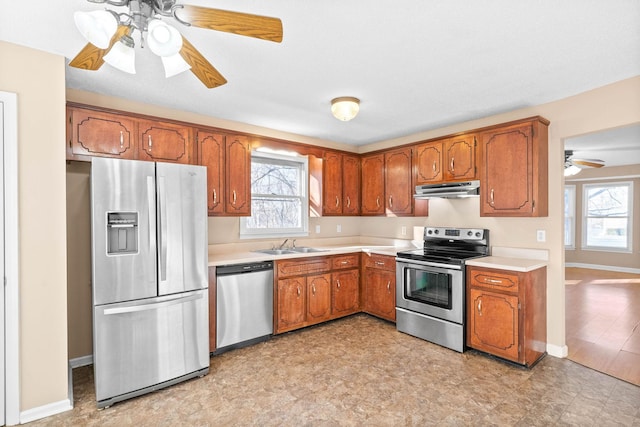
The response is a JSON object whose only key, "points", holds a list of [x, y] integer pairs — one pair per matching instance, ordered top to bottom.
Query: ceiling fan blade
{"points": [[244, 24], [91, 57], [202, 68], [592, 163]]}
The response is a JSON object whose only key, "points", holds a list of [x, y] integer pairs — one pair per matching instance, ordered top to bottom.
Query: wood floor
{"points": [[603, 321]]}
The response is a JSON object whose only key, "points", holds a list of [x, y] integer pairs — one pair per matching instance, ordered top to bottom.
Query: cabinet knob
{"points": [[480, 307]]}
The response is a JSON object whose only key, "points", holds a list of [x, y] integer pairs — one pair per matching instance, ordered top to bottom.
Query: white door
{"points": [[2, 272], [9, 340]]}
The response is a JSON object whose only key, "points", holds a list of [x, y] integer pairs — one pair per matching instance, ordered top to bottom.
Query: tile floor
{"points": [[603, 321], [359, 371]]}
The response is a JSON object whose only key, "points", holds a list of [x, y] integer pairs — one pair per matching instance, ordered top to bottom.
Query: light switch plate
{"points": [[317, 229], [541, 235]]}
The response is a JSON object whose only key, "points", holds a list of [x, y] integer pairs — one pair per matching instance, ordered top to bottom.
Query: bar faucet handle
{"points": [[293, 244]]}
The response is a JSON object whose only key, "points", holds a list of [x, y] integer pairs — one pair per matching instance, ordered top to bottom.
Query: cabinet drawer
{"points": [[345, 261], [382, 262], [302, 267], [494, 279]]}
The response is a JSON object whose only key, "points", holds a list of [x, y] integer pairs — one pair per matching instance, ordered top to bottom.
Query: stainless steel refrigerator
{"points": [[149, 278]]}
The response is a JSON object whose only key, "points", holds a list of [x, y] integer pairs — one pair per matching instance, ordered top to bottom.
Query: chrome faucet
{"points": [[283, 243]]}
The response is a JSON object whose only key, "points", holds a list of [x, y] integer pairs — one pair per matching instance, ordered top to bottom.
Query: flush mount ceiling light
{"points": [[110, 35], [345, 108]]}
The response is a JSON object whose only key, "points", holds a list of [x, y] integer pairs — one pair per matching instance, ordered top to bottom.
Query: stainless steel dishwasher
{"points": [[244, 304]]}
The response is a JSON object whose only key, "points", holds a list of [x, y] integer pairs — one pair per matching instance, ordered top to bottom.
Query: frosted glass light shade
{"points": [[97, 26], [163, 39], [122, 56], [174, 64], [345, 108], [571, 170]]}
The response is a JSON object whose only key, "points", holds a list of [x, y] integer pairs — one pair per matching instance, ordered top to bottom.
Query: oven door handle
{"points": [[413, 262]]}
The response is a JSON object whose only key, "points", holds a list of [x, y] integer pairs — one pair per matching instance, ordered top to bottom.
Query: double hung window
{"points": [[279, 197], [607, 216]]}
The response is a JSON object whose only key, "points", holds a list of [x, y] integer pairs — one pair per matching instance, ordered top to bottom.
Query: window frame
{"points": [[302, 163], [585, 217], [572, 228]]}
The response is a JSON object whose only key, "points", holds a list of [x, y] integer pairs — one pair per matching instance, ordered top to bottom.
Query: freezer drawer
{"points": [[143, 343]]}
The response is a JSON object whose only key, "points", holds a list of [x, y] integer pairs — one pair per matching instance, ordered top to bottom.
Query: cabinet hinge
{"points": [[475, 142], [519, 307], [519, 348]]}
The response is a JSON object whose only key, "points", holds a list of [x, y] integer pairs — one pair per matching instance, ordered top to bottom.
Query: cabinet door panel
{"points": [[101, 134], [164, 142], [211, 155], [460, 158], [428, 163], [238, 175], [350, 185], [398, 189], [373, 202], [332, 203], [346, 292], [380, 297], [318, 298], [291, 303], [494, 323]]}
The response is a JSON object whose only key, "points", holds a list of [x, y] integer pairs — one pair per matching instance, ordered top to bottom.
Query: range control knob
{"points": [[429, 231], [436, 231], [469, 233], [478, 234]]}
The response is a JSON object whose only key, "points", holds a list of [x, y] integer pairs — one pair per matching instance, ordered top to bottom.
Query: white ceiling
{"points": [[415, 64], [616, 147]]}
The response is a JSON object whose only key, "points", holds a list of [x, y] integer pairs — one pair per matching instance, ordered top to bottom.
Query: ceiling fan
{"points": [[110, 35], [573, 166]]}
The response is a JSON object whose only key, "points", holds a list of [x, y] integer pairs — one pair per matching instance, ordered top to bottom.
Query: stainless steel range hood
{"points": [[448, 190]]}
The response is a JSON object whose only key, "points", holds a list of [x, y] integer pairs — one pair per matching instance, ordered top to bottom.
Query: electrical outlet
{"points": [[339, 228], [317, 229], [403, 230], [541, 235]]}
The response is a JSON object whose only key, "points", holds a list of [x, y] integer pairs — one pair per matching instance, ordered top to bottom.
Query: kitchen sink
{"points": [[304, 250], [276, 251]]}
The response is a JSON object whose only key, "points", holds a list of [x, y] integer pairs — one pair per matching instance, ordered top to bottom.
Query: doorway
{"points": [[602, 270]]}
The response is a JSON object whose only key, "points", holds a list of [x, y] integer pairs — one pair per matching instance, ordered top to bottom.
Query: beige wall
{"points": [[38, 79], [602, 258]]}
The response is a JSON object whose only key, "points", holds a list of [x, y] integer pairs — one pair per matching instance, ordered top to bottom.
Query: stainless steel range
{"points": [[430, 292]]}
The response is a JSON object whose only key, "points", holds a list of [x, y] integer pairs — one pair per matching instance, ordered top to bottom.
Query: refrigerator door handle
{"points": [[151, 190], [162, 219], [152, 306]]}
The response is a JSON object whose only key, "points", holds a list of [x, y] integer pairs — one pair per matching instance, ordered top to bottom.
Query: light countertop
{"points": [[240, 257], [507, 263]]}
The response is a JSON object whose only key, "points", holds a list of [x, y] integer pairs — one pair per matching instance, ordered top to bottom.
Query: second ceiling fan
{"points": [[109, 35]]}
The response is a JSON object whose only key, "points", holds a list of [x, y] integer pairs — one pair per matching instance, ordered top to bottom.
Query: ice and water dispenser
{"points": [[122, 233]]}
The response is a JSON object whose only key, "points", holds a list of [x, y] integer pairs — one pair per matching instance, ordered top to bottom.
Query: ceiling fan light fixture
{"points": [[97, 27], [163, 39], [122, 55], [174, 64], [345, 108], [571, 170]]}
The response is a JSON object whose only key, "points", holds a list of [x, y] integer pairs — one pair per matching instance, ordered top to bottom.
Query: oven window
{"points": [[428, 287]]}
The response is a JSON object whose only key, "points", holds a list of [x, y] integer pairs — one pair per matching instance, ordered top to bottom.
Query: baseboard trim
{"points": [[603, 267], [560, 351], [81, 361], [45, 411]]}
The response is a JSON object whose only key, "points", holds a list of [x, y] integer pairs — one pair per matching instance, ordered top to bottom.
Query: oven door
{"points": [[433, 291]]}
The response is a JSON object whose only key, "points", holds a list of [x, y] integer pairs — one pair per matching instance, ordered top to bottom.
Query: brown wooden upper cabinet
{"points": [[99, 134], [165, 142], [460, 158], [228, 162], [428, 163], [514, 170], [397, 182], [387, 183], [341, 184], [372, 187]]}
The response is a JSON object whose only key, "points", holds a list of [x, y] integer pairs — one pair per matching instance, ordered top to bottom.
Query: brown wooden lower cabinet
{"points": [[379, 286], [313, 290], [506, 313]]}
